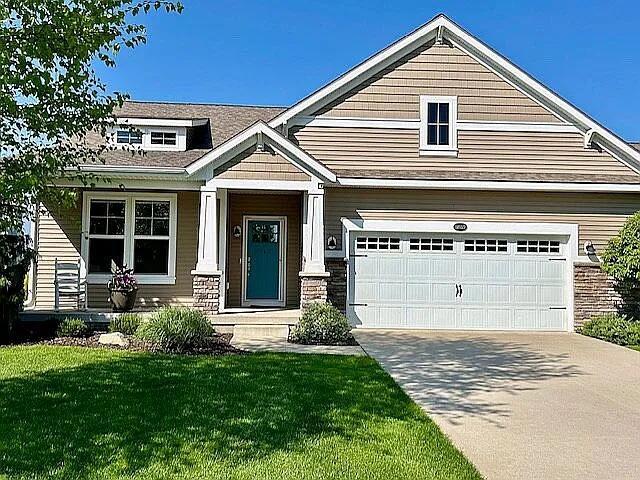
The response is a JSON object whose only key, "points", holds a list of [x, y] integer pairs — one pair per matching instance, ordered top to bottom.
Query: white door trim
{"points": [[567, 230], [282, 261]]}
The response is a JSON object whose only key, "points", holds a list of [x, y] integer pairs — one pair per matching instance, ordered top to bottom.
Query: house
{"points": [[434, 185]]}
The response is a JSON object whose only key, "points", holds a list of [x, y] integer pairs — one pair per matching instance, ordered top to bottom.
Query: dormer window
{"points": [[438, 118], [129, 137], [163, 138]]}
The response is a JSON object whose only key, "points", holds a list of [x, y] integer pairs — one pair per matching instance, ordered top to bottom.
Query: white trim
{"points": [[481, 52], [162, 122], [414, 124], [495, 126], [243, 140], [450, 149], [438, 152], [139, 169], [135, 184], [287, 185], [490, 185], [129, 198], [567, 230], [222, 247], [282, 261]]}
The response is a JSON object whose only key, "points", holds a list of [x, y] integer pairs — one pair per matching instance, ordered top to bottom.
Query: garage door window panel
{"points": [[431, 244], [481, 245]]}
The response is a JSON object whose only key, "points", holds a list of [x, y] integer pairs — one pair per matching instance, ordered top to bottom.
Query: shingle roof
{"points": [[225, 121], [635, 145], [489, 175]]}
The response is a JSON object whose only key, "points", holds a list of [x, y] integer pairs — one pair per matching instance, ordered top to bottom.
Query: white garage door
{"points": [[471, 282]]}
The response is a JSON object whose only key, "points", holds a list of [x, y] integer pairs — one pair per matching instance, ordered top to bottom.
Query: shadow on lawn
{"points": [[134, 411]]}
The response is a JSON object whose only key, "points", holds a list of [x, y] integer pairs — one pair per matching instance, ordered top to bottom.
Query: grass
{"points": [[634, 347], [100, 414]]}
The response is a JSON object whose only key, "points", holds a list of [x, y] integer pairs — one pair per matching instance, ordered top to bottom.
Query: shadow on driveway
{"points": [[451, 373]]}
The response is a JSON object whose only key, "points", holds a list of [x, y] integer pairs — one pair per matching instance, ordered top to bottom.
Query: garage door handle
{"points": [[457, 290], [460, 290], [358, 305]]}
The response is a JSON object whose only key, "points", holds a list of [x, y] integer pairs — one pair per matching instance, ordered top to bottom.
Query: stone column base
{"points": [[313, 289], [206, 293]]}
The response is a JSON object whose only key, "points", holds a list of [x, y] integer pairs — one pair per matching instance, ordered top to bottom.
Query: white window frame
{"points": [[181, 138], [450, 150], [129, 237]]}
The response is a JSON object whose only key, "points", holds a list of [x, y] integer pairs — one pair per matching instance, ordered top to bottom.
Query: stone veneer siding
{"points": [[337, 283], [312, 290], [206, 293], [594, 293]]}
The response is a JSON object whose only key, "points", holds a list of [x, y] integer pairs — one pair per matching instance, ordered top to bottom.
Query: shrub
{"points": [[126, 323], [323, 324], [72, 327], [612, 328], [176, 329]]}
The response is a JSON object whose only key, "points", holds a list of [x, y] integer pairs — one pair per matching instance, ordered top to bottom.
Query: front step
{"points": [[251, 332]]}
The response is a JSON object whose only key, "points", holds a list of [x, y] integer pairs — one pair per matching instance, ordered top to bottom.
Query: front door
{"points": [[263, 271]]}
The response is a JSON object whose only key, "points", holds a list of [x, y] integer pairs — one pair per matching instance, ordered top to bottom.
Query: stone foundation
{"points": [[337, 283], [312, 290], [206, 293], [594, 293]]}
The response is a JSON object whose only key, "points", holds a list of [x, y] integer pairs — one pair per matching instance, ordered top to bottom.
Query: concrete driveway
{"points": [[523, 405]]}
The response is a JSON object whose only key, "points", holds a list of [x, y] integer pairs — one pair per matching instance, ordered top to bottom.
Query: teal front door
{"points": [[263, 261]]}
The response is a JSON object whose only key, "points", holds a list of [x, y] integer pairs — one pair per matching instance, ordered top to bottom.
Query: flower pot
{"points": [[123, 300]]}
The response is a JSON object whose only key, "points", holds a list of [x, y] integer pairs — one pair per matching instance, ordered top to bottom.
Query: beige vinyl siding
{"points": [[438, 70], [353, 148], [253, 165], [257, 204], [599, 216], [59, 235]]}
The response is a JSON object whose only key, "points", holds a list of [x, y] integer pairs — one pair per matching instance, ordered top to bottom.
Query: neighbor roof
{"points": [[225, 121], [635, 145]]}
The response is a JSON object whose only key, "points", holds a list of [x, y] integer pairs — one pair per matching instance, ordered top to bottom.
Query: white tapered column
{"points": [[208, 233], [313, 235]]}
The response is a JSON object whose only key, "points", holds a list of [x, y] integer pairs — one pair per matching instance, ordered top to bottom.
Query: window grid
{"points": [[438, 123], [129, 137], [163, 138], [378, 243], [431, 244], [485, 245], [538, 246]]}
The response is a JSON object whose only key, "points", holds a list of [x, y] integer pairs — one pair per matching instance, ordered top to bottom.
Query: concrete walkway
{"points": [[282, 346], [523, 405]]}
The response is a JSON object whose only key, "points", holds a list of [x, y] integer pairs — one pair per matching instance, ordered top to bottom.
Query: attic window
{"points": [[438, 132], [129, 137], [163, 138]]}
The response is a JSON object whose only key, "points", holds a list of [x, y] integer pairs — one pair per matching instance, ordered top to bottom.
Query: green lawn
{"points": [[635, 347], [100, 414]]}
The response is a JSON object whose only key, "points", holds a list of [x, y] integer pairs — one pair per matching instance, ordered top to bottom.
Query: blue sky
{"points": [[276, 52]]}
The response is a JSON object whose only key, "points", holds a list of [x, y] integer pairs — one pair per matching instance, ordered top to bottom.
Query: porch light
{"points": [[237, 231], [332, 242], [589, 248]]}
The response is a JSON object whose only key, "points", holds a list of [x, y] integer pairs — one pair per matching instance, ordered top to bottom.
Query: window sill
{"points": [[438, 153], [100, 279]]}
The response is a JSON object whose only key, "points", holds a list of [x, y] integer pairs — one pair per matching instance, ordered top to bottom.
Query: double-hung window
{"points": [[438, 132], [130, 137], [163, 138], [138, 230]]}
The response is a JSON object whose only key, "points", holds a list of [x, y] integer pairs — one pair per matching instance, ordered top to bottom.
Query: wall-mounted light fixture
{"points": [[237, 231], [332, 242], [589, 248]]}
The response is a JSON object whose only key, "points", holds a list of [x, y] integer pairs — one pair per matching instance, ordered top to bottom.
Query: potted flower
{"points": [[123, 289]]}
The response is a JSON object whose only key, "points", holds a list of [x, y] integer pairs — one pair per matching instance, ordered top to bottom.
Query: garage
{"points": [[458, 281]]}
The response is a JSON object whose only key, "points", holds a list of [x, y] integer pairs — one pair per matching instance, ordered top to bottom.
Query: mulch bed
{"points": [[217, 345]]}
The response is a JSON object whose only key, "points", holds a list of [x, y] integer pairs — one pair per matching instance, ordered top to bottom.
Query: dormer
{"points": [[158, 134]]}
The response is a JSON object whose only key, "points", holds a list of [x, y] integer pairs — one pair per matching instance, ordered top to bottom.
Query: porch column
{"points": [[206, 276], [313, 283]]}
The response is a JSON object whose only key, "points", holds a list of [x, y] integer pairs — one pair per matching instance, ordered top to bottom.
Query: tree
{"points": [[51, 95], [621, 260]]}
